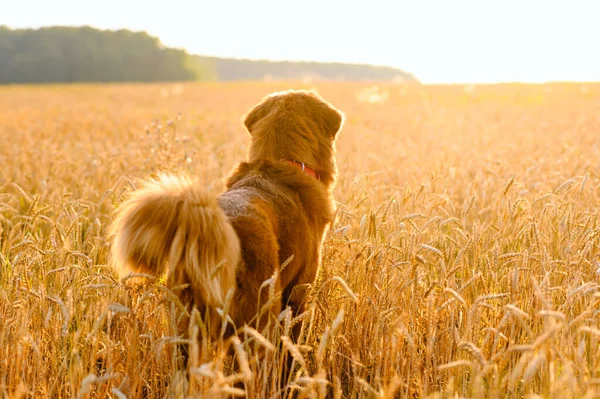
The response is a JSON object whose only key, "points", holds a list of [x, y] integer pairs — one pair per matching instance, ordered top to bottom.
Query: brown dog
{"points": [[277, 205]]}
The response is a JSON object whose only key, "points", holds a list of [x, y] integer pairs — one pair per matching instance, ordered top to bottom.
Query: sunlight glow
{"points": [[438, 41]]}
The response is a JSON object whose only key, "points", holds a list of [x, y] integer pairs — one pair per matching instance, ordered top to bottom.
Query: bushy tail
{"points": [[172, 221]]}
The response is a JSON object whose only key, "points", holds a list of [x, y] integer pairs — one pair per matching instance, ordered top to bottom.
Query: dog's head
{"points": [[295, 125]]}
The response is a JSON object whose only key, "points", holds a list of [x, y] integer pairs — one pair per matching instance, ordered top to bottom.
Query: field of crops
{"points": [[464, 261]]}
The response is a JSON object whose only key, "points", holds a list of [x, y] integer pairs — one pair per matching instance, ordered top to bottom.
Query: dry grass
{"points": [[465, 260]]}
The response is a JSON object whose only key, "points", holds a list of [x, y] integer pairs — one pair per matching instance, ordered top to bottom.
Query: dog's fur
{"points": [[270, 212]]}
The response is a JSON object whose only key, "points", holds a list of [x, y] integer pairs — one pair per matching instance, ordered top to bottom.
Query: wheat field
{"points": [[464, 260]]}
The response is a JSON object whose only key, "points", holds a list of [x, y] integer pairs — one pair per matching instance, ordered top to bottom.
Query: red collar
{"points": [[304, 168]]}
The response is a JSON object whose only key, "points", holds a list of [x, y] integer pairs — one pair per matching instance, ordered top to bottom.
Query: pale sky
{"points": [[444, 41]]}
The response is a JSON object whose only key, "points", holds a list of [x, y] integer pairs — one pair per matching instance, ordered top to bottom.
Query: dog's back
{"points": [[278, 213]]}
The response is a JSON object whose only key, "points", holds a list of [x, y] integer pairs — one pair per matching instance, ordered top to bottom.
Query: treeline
{"points": [[84, 54], [228, 69]]}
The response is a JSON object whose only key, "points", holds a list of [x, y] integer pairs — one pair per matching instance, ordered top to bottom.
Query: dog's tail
{"points": [[173, 222]]}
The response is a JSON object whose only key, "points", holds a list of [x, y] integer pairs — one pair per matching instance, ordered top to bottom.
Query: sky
{"points": [[443, 41]]}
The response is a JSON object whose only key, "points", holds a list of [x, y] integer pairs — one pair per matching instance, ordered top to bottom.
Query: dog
{"points": [[277, 206]]}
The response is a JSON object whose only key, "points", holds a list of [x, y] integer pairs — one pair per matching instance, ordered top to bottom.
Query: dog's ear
{"points": [[259, 111], [331, 119]]}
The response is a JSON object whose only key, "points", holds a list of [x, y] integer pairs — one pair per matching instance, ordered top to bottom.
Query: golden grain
{"points": [[432, 284]]}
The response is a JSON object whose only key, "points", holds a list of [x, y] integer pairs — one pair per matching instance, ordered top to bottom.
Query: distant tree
{"points": [[85, 54], [227, 69]]}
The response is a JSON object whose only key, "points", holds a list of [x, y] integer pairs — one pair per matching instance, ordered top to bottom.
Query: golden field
{"points": [[464, 261]]}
